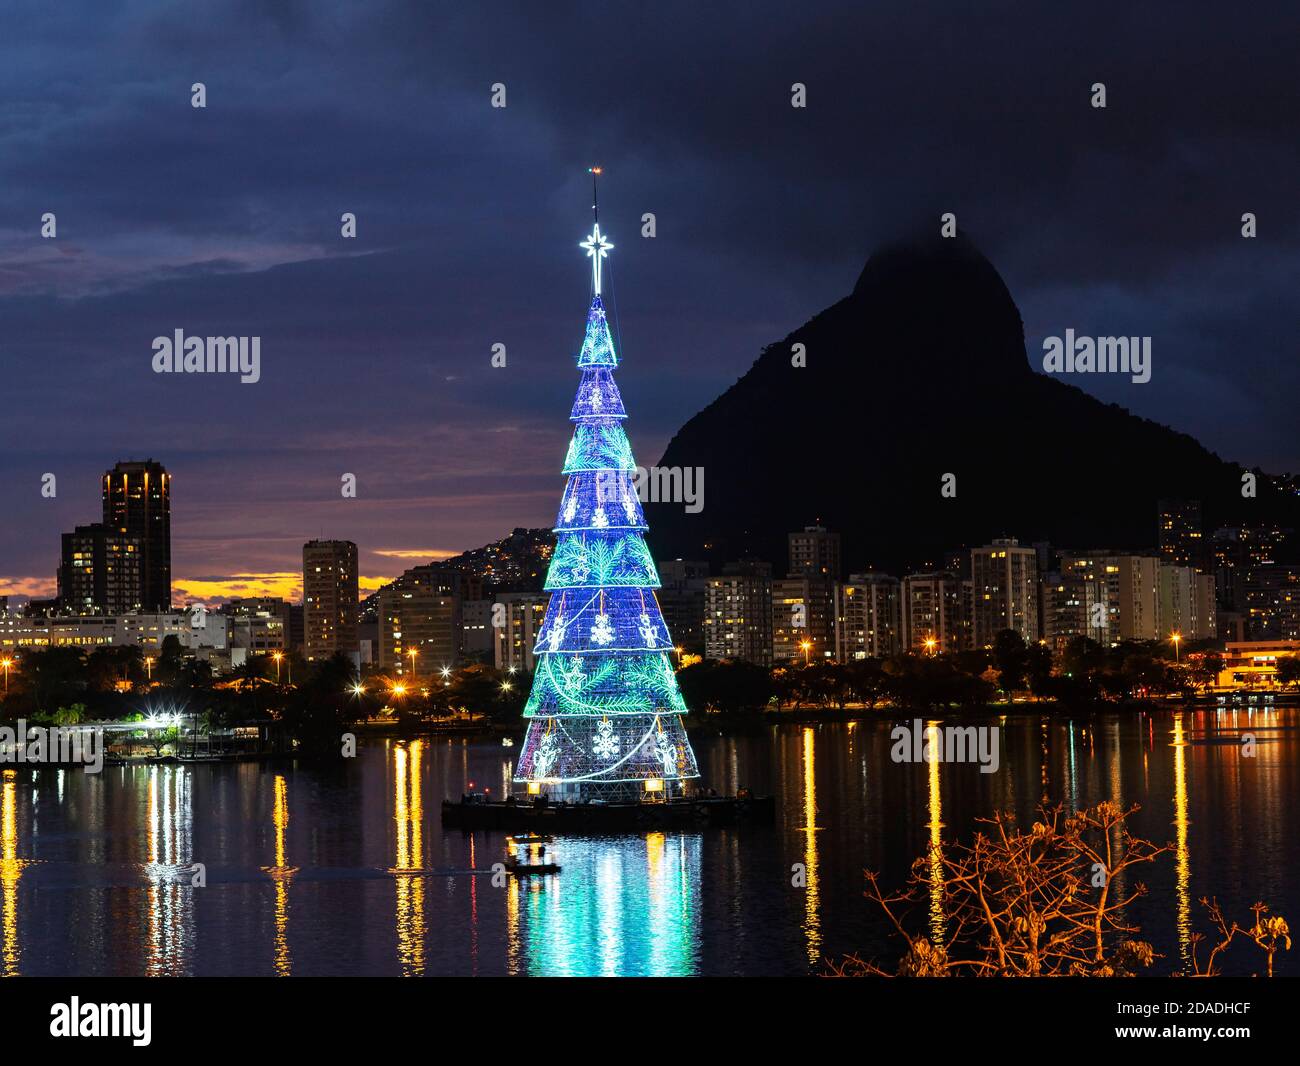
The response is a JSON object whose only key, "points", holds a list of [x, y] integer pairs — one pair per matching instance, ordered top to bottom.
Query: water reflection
{"points": [[408, 815], [1182, 854], [11, 869], [281, 874], [374, 884], [812, 886], [169, 901], [621, 906], [938, 923]]}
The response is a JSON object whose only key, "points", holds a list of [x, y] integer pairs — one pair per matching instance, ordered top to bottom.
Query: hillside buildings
{"points": [[1180, 539], [815, 552]]}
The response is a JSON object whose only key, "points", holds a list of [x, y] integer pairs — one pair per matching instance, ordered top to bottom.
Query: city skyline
{"points": [[233, 227], [1186, 586]]}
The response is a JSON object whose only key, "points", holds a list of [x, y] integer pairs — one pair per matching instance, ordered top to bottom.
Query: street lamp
{"points": [[1175, 637], [931, 644], [807, 648], [411, 655], [277, 656], [6, 663], [148, 665], [399, 689], [358, 690]]}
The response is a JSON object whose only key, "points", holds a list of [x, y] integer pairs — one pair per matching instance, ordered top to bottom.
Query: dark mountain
{"points": [[922, 371]]}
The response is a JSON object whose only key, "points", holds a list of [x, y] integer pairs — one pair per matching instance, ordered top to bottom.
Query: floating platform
{"points": [[691, 813]]}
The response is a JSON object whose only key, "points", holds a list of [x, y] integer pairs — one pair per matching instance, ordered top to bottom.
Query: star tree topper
{"points": [[597, 245], [597, 248]]}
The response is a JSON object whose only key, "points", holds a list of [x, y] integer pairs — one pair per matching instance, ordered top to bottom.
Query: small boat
{"points": [[530, 855]]}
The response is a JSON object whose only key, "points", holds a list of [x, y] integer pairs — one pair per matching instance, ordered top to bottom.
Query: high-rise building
{"points": [[138, 504], [1179, 531], [1235, 552], [816, 553], [814, 561], [99, 572], [683, 585], [1132, 585], [1005, 591], [330, 594], [1272, 601], [1074, 604], [1183, 606], [936, 607], [1205, 607], [803, 612], [738, 614], [868, 621], [259, 624], [419, 626], [297, 627], [476, 628], [368, 636], [516, 640]]}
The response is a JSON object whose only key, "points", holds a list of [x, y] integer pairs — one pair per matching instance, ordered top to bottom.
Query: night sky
{"points": [[375, 351]]}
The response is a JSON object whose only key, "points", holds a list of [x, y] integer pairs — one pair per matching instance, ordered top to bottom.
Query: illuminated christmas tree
{"points": [[605, 712]]}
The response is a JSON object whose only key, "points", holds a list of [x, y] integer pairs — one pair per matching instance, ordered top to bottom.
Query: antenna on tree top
{"points": [[595, 172]]}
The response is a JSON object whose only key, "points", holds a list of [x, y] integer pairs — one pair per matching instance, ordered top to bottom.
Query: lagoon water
{"points": [[348, 870]]}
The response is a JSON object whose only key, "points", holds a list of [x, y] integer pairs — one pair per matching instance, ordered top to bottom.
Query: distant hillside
{"points": [[922, 371], [515, 563]]}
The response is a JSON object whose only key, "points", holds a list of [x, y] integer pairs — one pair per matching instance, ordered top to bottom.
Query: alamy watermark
{"points": [[179, 354], [1098, 355], [656, 484], [918, 742], [58, 745], [74, 1018]]}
